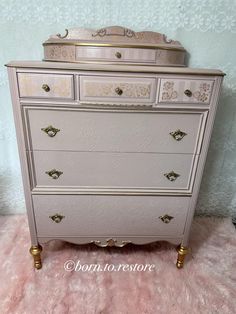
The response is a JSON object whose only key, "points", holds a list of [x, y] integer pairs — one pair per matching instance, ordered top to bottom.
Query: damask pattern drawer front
{"points": [[116, 54], [38, 85], [117, 89], [185, 90], [115, 131], [113, 170], [101, 215]]}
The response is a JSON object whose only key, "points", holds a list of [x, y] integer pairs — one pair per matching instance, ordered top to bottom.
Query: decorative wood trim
{"points": [[114, 36], [107, 67], [137, 240]]}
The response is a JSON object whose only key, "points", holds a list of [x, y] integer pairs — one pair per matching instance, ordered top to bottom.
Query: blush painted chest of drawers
{"points": [[112, 152]]}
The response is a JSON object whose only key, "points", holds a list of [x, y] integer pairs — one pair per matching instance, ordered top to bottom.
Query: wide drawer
{"points": [[116, 54], [43, 85], [117, 89], [185, 90], [117, 131], [113, 170], [100, 215]]}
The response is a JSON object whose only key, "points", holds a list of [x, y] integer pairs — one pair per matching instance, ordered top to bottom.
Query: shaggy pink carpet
{"points": [[207, 283]]}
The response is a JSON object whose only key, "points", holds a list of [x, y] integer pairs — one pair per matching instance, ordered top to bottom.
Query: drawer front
{"points": [[116, 54], [36, 85], [116, 89], [185, 91], [115, 131], [113, 170], [100, 215]]}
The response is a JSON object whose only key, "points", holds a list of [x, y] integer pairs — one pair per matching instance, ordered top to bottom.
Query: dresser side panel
{"points": [[22, 153], [203, 156]]}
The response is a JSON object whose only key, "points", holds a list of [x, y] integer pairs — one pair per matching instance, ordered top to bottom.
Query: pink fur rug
{"points": [[207, 283]]}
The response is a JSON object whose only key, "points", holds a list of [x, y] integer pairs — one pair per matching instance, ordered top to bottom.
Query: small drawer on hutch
{"points": [[116, 54], [43, 85], [117, 89], [185, 91], [115, 131], [105, 170], [103, 215]]}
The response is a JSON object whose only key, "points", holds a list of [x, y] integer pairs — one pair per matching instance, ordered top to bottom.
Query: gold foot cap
{"points": [[35, 251], [182, 252], [179, 264], [38, 265]]}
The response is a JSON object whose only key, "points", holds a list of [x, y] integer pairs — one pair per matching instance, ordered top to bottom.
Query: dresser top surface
{"points": [[93, 66]]}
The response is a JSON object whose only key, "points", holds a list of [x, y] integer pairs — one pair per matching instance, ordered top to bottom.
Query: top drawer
{"points": [[116, 54], [43, 85], [117, 89], [185, 91]]}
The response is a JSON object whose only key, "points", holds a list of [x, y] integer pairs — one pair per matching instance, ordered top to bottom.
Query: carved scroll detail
{"points": [[114, 31]]}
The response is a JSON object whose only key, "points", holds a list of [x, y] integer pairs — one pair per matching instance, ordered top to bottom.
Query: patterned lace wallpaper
{"points": [[206, 28]]}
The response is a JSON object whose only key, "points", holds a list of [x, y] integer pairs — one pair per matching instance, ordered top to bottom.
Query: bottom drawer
{"points": [[104, 215]]}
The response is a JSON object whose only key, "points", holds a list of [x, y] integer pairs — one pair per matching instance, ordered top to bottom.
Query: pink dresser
{"points": [[113, 131]]}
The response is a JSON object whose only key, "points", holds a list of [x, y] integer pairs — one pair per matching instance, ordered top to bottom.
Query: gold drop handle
{"points": [[118, 55], [46, 88], [119, 91], [188, 92], [50, 130], [178, 135], [54, 174], [171, 176], [57, 218], [166, 218]]}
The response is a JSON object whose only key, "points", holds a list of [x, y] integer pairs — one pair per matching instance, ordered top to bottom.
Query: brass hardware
{"points": [[66, 34], [124, 45], [118, 55], [45, 87], [119, 91], [188, 92], [50, 130], [178, 135], [54, 174], [172, 176], [57, 218], [166, 218], [111, 242], [35, 251], [182, 252]]}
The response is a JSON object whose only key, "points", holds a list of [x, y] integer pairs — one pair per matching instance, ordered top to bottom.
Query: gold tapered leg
{"points": [[35, 251], [182, 252]]}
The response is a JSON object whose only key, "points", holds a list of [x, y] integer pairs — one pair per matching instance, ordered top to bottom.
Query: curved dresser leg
{"points": [[35, 251], [182, 252]]}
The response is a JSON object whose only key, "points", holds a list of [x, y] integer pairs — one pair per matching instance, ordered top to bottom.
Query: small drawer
{"points": [[116, 54], [37, 85], [117, 89], [185, 91], [106, 171], [103, 215]]}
